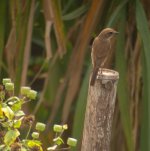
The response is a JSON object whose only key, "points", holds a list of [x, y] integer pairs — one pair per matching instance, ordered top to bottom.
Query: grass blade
{"points": [[3, 11], [76, 13], [116, 14], [21, 26], [59, 27], [143, 29], [28, 44], [123, 94], [80, 109]]}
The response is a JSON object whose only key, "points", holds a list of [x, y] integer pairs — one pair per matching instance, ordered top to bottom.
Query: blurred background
{"points": [[46, 44]]}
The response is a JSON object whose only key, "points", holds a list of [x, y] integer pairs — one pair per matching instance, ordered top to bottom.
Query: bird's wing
{"points": [[101, 49]]}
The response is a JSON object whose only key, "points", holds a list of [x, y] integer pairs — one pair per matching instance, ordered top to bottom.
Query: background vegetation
{"points": [[46, 44]]}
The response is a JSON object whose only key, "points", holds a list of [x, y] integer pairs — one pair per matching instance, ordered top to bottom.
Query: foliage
{"points": [[13, 119]]}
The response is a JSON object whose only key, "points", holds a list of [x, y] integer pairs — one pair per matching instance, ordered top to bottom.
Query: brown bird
{"points": [[100, 50]]}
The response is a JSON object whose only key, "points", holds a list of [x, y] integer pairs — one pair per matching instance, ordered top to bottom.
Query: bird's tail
{"points": [[94, 75]]}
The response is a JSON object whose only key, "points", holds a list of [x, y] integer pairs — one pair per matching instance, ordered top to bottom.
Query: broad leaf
{"points": [[11, 136]]}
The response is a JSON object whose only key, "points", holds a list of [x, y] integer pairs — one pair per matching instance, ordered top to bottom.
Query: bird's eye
{"points": [[110, 33]]}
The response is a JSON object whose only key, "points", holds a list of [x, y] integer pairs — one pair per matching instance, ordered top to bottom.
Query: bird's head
{"points": [[107, 34]]}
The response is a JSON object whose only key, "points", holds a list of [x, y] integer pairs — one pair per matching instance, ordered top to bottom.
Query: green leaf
{"points": [[76, 13], [116, 14], [3, 18], [59, 26], [143, 29], [21, 32], [123, 93], [2, 95], [13, 98], [15, 103], [16, 106], [80, 108], [1, 112], [8, 112], [19, 113], [17, 123], [7, 124], [11, 136], [58, 141], [34, 143], [7, 148]]}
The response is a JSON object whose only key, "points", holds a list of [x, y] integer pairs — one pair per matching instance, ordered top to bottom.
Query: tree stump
{"points": [[99, 112]]}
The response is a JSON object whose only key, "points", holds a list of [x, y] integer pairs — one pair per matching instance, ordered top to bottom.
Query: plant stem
{"points": [[28, 131]]}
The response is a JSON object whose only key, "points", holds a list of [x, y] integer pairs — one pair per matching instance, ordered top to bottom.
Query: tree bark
{"points": [[99, 112]]}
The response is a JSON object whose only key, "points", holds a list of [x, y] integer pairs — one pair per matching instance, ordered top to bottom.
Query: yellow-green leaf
{"points": [[144, 32], [1, 112], [8, 112], [19, 113], [17, 123], [11, 136], [58, 140], [34, 143]]}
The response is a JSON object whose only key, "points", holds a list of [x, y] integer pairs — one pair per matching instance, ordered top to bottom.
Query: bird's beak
{"points": [[116, 32]]}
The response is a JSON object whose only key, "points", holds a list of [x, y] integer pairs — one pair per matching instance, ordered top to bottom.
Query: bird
{"points": [[101, 48]]}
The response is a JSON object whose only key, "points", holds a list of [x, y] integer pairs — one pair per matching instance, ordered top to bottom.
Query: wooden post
{"points": [[99, 112]]}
